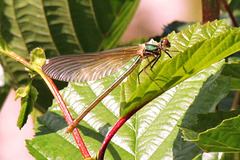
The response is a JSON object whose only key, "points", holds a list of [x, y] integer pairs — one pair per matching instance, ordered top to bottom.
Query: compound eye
{"points": [[165, 43]]}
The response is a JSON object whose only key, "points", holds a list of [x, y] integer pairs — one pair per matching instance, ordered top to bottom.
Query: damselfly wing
{"points": [[89, 67]]}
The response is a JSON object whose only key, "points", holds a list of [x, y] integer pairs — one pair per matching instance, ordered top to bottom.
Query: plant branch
{"points": [[230, 13], [235, 101], [66, 114], [114, 130], [109, 136]]}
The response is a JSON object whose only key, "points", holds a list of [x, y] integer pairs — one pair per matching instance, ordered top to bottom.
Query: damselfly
{"points": [[93, 66]]}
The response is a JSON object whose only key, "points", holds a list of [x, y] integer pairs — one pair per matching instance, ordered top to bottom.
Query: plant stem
{"points": [[230, 13], [18, 58], [235, 101], [66, 114], [114, 130], [109, 136]]}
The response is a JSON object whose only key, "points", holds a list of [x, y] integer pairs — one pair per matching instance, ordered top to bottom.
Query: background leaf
{"points": [[232, 69], [28, 96], [216, 136]]}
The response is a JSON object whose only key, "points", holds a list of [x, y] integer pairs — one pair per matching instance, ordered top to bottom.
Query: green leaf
{"points": [[60, 27], [207, 44], [37, 57], [232, 69], [28, 96], [150, 134], [219, 135], [52, 142], [213, 156]]}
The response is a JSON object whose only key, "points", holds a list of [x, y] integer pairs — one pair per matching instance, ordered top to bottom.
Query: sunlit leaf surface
{"points": [[192, 85]]}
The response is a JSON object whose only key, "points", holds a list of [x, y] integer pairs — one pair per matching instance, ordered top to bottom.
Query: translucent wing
{"points": [[88, 67]]}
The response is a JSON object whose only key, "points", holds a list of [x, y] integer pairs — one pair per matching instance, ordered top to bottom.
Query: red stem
{"points": [[230, 13], [69, 119], [114, 130], [109, 136]]}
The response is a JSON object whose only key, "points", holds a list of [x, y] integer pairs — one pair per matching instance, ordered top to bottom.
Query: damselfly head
{"points": [[165, 43]]}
